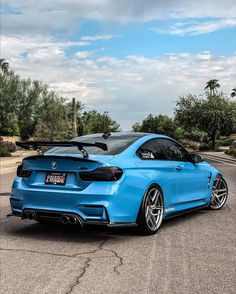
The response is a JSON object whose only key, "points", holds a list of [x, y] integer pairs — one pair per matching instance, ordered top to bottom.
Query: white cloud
{"points": [[38, 17], [198, 27], [96, 38], [14, 46], [83, 54], [206, 55], [129, 88]]}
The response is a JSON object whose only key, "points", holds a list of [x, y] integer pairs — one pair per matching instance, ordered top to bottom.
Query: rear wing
{"points": [[36, 145]]}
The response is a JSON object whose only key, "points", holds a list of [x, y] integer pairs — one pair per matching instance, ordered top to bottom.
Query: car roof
{"points": [[119, 134]]}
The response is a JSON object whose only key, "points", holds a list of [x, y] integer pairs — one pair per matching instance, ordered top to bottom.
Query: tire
{"points": [[219, 193], [151, 211]]}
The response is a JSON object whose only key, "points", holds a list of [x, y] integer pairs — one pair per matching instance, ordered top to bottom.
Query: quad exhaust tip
{"points": [[28, 215], [65, 219], [71, 220]]}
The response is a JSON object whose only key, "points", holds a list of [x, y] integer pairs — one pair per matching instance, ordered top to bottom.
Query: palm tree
{"points": [[4, 66], [212, 85], [233, 93]]}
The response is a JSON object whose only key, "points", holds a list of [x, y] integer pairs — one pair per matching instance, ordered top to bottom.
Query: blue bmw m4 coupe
{"points": [[114, 179]]}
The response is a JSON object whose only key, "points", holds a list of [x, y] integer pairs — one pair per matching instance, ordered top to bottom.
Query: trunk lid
{"points": [[44, 165]]}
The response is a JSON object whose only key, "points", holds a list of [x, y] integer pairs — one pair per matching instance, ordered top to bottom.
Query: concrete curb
{"points": [[225, 158], [219, 159], [5, 194]]}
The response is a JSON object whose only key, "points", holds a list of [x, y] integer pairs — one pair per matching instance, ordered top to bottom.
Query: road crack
{"points": [[100, 247], [36, 251], [116, 256], [87, 263], [80, 276]]}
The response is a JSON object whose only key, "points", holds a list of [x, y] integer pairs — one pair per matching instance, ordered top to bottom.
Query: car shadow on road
{"points": [[58, 232]]}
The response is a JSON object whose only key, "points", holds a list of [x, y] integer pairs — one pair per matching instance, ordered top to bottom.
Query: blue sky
{"points": [[145, 39], [130, 58]]}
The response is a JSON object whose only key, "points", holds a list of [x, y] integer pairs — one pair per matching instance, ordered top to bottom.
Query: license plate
{"points": [[55, 178]]}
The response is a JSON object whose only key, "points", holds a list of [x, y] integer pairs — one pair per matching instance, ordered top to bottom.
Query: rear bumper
{"points": [[108, 203], [56, 216]]}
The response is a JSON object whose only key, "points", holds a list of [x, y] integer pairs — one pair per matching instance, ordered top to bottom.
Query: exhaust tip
{"points": [[27, 214], [24, 215], [31, 215], [65, 219], [73, 220]]}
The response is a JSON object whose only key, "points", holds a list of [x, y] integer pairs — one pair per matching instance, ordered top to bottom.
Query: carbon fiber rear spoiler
{"points": [[37, 144]]}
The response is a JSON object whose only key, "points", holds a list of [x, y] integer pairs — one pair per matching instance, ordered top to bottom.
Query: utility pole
{"points": [[74, 119], [105, 121]]}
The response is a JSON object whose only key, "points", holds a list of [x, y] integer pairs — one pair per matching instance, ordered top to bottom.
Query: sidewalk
{"points": [[8, 166]]}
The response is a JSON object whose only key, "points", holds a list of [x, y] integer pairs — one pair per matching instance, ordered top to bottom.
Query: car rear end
{"points": [[48, 187], [67, 188]]}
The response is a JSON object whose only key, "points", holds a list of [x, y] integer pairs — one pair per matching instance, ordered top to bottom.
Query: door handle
{"points": [[178, 167], [210, 177]]}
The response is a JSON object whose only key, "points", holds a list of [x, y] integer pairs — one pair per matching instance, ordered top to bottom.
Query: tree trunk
{"points": [[213, 141]]}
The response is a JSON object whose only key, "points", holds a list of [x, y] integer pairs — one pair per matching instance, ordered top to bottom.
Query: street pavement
{"points": [[194, 253]]}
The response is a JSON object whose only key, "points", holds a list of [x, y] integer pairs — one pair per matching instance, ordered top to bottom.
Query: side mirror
{"points": [[196, 158]]}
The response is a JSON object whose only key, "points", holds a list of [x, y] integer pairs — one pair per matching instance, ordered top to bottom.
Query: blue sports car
{"points": [[114, 179]]}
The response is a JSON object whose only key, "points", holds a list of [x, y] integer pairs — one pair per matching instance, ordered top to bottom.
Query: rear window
{"points": [[115, 144]]}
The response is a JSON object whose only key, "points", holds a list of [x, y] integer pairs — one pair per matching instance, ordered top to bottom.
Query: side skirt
{"points": [[186, 211]]}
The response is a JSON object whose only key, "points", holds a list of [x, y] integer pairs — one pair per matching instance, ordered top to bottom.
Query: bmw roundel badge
{"points": [[53, 164]]}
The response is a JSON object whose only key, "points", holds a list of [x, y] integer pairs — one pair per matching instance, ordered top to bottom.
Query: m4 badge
{"points": [[169, 209]]}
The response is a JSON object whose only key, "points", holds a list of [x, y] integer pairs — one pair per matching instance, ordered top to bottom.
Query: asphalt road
{"points": [[195, 253]]}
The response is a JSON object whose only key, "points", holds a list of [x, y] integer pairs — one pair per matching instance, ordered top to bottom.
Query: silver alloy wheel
{"points": [[219, 193], [154, 208]]}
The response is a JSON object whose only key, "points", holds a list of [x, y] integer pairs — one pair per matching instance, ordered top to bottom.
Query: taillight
{"points": [[22, 172], [102, 174]]}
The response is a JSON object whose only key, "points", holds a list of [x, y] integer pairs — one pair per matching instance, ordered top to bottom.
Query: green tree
{"points": [[212, 85], [9, 89], [30, 94], [28, 107], [214, 114], [53, 120], [95, 122], [161, 124], [137, 127]]}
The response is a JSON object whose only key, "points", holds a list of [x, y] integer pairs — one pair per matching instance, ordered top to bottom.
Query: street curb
{"points": [[218, 159], [227, 159], [5, 194]]}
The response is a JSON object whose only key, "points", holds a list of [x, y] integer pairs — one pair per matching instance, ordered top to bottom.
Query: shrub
{"points": [[224, 142], [194, 145], [10, 146], [205, 147], [4, 152], [231, 152]]}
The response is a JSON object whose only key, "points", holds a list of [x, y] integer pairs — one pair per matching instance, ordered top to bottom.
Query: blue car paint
{"points": [[184, 188]]}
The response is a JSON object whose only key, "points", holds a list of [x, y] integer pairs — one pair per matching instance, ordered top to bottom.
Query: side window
{"points": [[162, 149], [152, 150], [174, 151]]}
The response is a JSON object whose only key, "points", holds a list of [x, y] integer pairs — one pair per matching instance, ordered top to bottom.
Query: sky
{"points": [[129, 58]]}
